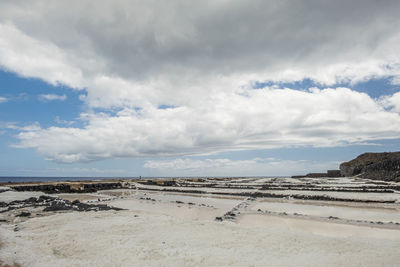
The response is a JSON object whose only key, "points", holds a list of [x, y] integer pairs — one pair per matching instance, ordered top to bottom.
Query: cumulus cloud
{"points": [[135, 52], [30, 57], [202, 58], [52, 97], [3, 99], [391, 102], [253, 119], [224, 166]]}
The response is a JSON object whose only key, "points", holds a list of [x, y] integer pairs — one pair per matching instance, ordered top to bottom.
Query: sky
{"points": [[196, 88]]}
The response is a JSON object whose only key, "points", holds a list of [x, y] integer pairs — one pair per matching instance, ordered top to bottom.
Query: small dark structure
{"points": [[329, 173], [334, 173], [316, 174]]}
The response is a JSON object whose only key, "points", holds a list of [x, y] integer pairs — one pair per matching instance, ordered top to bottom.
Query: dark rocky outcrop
{"points": [[379, 166], [159, 182], [68, 188], [53, 204], [76, 205], [24, 214]]}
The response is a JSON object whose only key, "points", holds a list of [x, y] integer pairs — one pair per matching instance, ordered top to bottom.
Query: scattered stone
{"points": [[68, 188], [53, 204], [230, 213], [24, 214], [333, 218]]}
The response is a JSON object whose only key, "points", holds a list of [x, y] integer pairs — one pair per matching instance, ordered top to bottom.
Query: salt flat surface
{"points": [[202, 189], [348, 195], [9, 196], [80, 197], [177, 205], [183, 211], [343, 212], [161, 228], [318, 228], [121, 239]]}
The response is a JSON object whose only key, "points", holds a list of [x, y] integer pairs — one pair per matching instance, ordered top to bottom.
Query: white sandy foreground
{"points": [[168, 231], [121, 239]]}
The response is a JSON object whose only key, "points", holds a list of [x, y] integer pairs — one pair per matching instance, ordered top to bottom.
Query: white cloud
{"points": [[158, 52], [31, 57], [203, 57], [52, 97], [3, 99], [391, 102], [254, 119], [58, 120], [26, 128], [31, 128], [224, 166]]}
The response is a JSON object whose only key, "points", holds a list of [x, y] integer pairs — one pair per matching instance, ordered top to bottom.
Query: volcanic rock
{"points": [[378, 166]]}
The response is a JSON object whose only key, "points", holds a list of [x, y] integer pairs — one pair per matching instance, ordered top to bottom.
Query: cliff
{"points": [[379, 166]]}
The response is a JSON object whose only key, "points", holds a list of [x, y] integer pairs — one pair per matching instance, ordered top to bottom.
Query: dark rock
{"points": [[379, 166], [334, 173], [316, 175], [159, 182], [67, 188], [54, 204], [57, 206], [230, 213], [24, 214]]}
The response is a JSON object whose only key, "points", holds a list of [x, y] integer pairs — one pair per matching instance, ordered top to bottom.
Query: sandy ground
{"points": [[172, 229], [121, 239]]}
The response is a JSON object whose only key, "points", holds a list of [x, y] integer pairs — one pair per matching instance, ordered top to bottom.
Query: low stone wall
{"points": [[67, 188]]}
